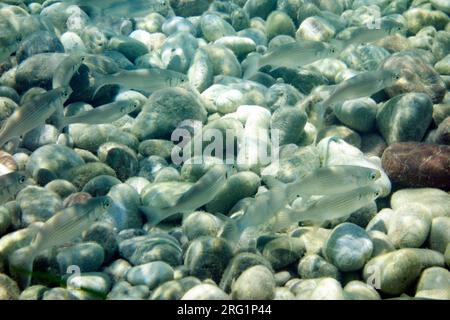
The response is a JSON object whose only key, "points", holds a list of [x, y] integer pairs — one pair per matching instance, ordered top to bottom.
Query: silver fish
{"points": [[124, 8], [364, 35], [292, 55], [66, 69], [141, 79], [362, 85], [33, 113], [104, 114], [328, 180], [10, 184], [201, 193], [327, 207], [63, 227]]}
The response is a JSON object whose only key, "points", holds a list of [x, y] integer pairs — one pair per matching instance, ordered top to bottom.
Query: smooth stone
{"points": [[187, 8], [259, 8], [417, 18], [278, 23], [178, 24], [214, 27], [315, 29], [38, 42], [72, 42], [129, 47], [178, 50], [365, 58], [223, 60], [443, 66], [37, 71], [201, 71], [416, 76], [9, 93], [281, 95], [7, 107], [164, 110], [358, 114], [405, 117], [289, 123], [341, 132], [443, 132], [40, 136], [91, 137], [373, 144], [159, 147], [120, 158], [51, 162], [294, 163], [416, 165], [150, 167], [167, 174], [81, 175], [138, 183], [100, 185], [239, 186], [61, 187], [436, 201], [37, 204], [124, 213], [5, 220], [198, 224], [409, 226], [104, 234], [440, 234], [14, 241], [381, 243], [348, 247], [148, 248], [283, 251], [87, 256], [207, 257], [241, 262], [314, 266], [118, 269], [394, 272], [150, 274], [282, 277], [97, 283], [255, 283], [434, 283], [174, 289], [318, 289], [9, 290], [123, 290], [358, 290], [205, 291], [35, 292], [282, 293], [58, 294]]}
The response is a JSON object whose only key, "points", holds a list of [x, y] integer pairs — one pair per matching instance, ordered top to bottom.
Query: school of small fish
{"points": [[188, 53]]}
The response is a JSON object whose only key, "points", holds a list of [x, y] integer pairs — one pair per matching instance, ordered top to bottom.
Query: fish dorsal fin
{"points": [[273, 182]]}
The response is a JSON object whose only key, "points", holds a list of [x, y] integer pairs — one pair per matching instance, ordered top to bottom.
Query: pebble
{"points": [[405, 117], [417, 165], [198, 224], [348, 247], [87, 256], [207, 257], [314, 266], [150, 274], [255, 283], [434, 283], [174, 289], [9, 290], [205, 291]]}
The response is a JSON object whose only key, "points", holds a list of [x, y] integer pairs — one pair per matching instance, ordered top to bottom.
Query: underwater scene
{"points": [[224, 150]]}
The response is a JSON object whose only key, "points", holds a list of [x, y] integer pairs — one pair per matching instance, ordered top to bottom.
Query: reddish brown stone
{"points": [[413, 164], [75, 198]]}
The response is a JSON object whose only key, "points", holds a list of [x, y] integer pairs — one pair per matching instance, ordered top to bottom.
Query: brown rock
{"points": [[413, 164]]}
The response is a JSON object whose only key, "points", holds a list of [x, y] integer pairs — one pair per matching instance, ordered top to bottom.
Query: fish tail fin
{"points": [[252, 66], [154, 215], [21, 265]]}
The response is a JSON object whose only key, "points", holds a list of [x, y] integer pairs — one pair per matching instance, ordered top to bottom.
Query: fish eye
{"points": [[373, 176], [21, 179], [377, 194], [106, 204]]}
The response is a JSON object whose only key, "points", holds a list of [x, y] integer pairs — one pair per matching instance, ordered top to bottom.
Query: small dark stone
{"points": [[38, 42]]}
